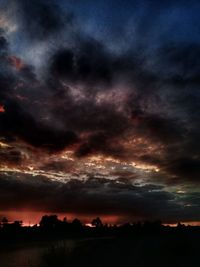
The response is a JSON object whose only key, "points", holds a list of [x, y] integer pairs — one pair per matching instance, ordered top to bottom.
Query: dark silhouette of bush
{"points": [[49, 222], [97, 222]]}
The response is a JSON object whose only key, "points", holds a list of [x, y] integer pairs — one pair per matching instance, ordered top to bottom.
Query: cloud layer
{"points": [[66, 88]]}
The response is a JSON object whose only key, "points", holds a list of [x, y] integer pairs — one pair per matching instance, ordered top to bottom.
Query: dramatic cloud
{"points": [[77, 102], [95, 196]]}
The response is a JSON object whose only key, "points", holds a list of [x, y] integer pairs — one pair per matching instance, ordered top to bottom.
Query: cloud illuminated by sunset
{"points": [[100, 115]]}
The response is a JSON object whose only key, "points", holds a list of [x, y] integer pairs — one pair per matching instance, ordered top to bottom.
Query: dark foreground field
{"points": [[166, 249]]}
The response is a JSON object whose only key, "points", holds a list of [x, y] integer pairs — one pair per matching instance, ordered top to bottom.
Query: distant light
{"points": [[181, 192], [89, 225]]}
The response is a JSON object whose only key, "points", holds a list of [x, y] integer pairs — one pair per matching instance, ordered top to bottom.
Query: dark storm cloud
{"points": [[41, 19], [3, 44], [88, 63], [179, 63], [100, 66], [18, 90], [61, 109], [103, 122], [23, 126], [158, 127], [11, 156], [185, 168], [94, 196]]}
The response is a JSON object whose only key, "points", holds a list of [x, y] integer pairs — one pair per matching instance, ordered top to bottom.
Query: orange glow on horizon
{"points": [[30, 218]]}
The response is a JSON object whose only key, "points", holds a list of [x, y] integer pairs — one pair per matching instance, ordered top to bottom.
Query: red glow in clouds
{"points": [[16, 62], [2, 109]]}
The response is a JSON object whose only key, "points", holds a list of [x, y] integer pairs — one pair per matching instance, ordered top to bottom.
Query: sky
{"points": [[99, 110]]}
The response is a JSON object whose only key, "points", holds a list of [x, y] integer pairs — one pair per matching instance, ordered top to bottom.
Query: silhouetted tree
{"points": [[49, 222], [97, 222], [18, 223], [76, 224], [180, 225]]}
